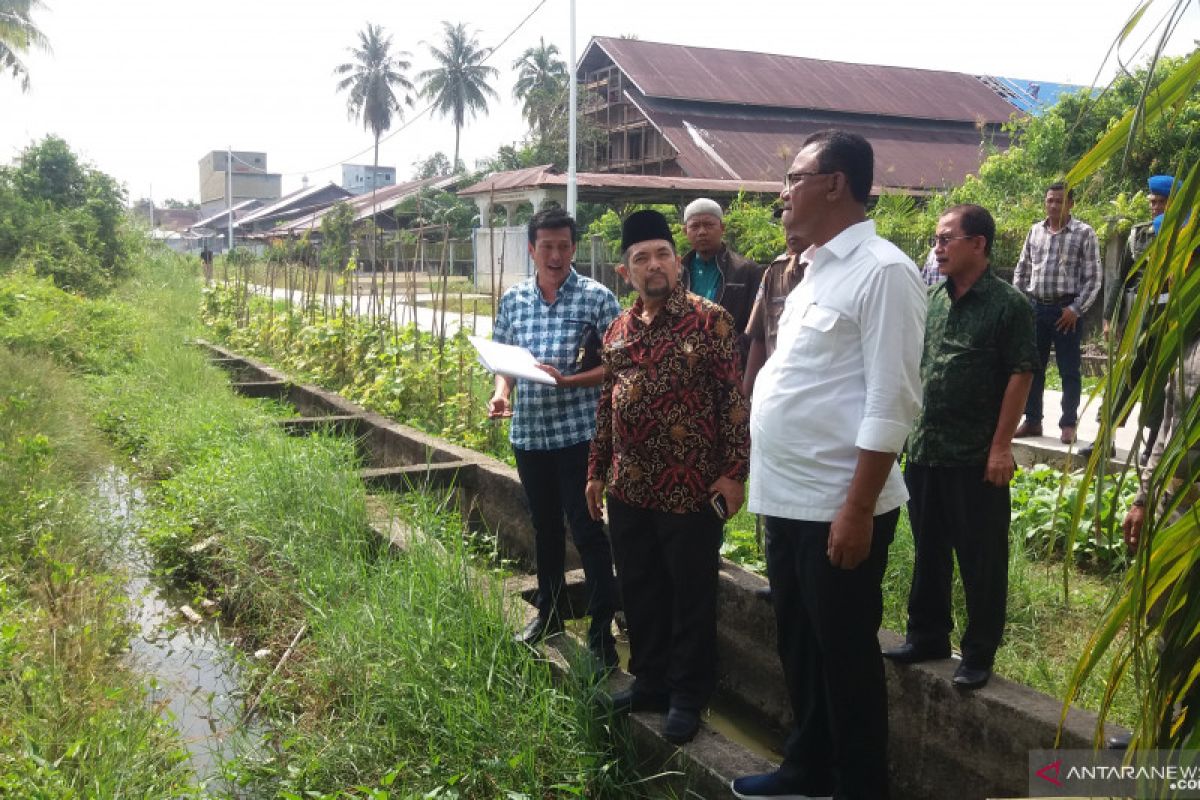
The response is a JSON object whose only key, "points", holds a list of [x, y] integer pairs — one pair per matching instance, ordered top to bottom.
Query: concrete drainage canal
{"points": [[943, 745]]}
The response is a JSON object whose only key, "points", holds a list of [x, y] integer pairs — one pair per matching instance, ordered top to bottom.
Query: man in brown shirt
{"points": [[780, 277], [672, 448]]}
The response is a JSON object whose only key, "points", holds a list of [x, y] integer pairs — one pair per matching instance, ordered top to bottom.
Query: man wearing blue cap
{"points": [[1120, 300]]}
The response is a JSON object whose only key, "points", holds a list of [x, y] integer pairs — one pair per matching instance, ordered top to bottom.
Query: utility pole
{"points": [[572, 189], [229, 192]]}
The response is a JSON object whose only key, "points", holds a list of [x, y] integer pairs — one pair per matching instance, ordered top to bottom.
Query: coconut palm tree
{"points": [[17, 35], [373, 79], [459, 84], [541, 86]]}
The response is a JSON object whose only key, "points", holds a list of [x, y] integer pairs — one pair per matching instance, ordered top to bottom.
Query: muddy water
{"points": [[190, 672]]}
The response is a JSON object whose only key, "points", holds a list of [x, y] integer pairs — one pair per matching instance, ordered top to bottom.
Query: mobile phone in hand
{"points": [[716, 502]]}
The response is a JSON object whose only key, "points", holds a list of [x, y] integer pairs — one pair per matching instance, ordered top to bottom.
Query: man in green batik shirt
{"points": [[976, 368]]}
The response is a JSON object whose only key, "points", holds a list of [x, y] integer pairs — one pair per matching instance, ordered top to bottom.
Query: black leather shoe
{"points": [[537, 630], [909, 653], [971, 677], [629, 700], [681, 726]]}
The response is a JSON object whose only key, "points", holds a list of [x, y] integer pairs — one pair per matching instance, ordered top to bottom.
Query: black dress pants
{"points": [[554, 483], [954, 512], [667, 567], [828, 622]]}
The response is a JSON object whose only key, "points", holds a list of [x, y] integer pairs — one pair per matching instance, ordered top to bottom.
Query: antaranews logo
{"points": [[1049, 773], [1149, 774]]}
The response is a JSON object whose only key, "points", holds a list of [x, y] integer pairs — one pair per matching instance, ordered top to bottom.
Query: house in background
{"points": [[699, 112], [356, 178], [250, 180], [299, 203]]}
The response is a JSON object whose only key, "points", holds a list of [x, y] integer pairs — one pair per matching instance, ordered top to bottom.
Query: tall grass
{"points": [[406, 674], [74, 721]]}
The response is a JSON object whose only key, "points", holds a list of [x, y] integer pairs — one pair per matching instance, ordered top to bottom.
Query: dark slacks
{"points": [[1066, 355], [554, 482], [955, 513], [667, 567], [828, 620]]}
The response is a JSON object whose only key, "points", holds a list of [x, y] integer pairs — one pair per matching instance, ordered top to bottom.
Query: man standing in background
{"points": [[714, 271], [1059, 271], [778, 280]]}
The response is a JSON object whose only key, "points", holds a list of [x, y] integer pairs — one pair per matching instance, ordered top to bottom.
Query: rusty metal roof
{"points": [[763, 79], [761, 147], [597, 185]]}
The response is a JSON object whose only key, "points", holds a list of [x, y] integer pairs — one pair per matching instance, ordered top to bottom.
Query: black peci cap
{"points": [[643, 226]]}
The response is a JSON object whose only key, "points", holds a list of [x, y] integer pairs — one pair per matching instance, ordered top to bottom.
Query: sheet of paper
{"points": [[509, 360]]}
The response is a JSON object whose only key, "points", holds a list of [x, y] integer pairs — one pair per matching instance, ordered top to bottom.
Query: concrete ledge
{"points": [[273, 390], [341, 424], [417, 476]]}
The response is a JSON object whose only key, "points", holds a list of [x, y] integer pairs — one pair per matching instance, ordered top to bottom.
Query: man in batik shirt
{"points": [[672, 449]]}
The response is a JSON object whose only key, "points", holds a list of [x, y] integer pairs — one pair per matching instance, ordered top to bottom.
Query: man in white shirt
{"points": [[832, 408]]}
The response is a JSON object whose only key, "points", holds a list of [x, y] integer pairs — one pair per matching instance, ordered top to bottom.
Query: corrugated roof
{"points": [[776, 81], [761, 147], [545, 176], [290, 201], [245, 205], [365, 205]]}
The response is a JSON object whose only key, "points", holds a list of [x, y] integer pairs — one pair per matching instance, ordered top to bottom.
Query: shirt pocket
{"points": [[816, 338]]}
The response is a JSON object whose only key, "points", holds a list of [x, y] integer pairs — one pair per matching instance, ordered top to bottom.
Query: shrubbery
{"points": [[63, 219]]}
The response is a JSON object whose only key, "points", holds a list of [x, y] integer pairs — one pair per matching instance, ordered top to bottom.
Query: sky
{"points": [[143, 89]]}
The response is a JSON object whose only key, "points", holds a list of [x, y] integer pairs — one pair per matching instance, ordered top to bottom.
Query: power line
{"points": [[491, 52]]}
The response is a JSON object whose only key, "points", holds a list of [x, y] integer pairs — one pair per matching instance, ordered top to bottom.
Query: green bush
{"points": [[63, 219]]}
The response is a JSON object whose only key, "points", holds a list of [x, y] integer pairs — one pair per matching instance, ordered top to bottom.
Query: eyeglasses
{"points": [[791, 179], [944, 240]]}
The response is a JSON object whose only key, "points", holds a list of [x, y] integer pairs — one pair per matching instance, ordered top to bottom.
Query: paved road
{"points": [[401, 311]]}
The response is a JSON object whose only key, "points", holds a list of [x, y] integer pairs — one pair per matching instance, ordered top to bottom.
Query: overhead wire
{"points": [[491, 52]]}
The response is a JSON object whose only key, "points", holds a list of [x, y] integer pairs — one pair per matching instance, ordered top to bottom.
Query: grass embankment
{"points": [[406, 676], [74, 720]]}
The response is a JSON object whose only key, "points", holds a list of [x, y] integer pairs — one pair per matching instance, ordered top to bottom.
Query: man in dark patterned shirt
{"points": [[976, 369], [672, 447]]}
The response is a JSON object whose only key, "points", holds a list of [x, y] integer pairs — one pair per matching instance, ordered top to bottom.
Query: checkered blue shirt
{"points": [[548, 417]]}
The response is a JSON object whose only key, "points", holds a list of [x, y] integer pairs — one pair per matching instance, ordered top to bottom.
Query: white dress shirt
{"points": [[845, 375]]}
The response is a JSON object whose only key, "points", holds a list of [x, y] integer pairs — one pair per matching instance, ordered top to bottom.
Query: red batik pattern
{"points": [[671, 418]]}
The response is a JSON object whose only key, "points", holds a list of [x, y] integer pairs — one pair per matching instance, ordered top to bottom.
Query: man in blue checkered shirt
{"points": [[559, 315]]}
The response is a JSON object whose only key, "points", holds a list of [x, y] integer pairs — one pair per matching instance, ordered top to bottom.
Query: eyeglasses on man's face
{"points": [[794, 179], [943, 240]]}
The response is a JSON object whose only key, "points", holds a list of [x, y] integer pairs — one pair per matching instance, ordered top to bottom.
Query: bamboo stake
{"points": [[250, 709]]}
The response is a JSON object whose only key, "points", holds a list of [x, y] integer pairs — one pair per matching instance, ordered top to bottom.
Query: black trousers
{"points": [[554, 483], [954, 512], [667, 566], [828, 620]]}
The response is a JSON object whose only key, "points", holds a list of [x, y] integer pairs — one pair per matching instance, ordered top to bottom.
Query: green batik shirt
{"points": [[973, 345]]}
